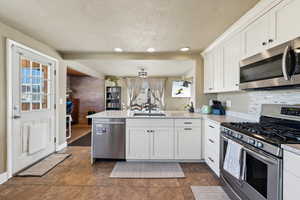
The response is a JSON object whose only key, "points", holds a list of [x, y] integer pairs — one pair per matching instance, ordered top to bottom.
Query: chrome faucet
{"points": [[149, 100]]}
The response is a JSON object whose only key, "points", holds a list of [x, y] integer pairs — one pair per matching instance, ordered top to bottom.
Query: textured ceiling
{"points": [[134, 25], [131, 67]]}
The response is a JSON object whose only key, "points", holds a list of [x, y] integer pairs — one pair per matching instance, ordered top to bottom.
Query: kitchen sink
{"points": [[149, 115]]}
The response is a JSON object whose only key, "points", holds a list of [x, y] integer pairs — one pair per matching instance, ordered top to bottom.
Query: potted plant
{"points": [[113, 79]]}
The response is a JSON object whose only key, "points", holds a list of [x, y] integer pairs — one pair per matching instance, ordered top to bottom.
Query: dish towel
{"points": [[233, 159]]}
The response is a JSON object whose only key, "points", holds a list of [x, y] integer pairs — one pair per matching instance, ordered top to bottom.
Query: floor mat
{"points": [[83, 141], [44, 166], [147, 170], [209, 193]]}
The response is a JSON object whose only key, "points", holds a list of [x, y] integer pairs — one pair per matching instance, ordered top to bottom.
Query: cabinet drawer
{"points": [[150, 122], [187, 122], [212, 130], [212, 145], [212, 160], [291, 163]]}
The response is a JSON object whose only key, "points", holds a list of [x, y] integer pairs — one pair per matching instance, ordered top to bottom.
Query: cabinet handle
{"points": [[271, 40], [264, 43], [237, 84], [188, 122], [211, 126], [188, 129], [211, 141], [211, 159]]}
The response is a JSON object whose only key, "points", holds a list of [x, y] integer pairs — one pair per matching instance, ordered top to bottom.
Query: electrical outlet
{"points": [[228, 103]]}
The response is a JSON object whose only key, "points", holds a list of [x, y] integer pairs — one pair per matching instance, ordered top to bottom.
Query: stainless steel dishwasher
{"points": [[108, 139]]}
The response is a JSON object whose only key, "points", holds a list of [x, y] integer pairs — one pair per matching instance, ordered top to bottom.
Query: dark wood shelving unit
{"points": [[113, 98]]}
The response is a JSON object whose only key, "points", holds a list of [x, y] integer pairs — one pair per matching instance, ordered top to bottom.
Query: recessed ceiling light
{"points": [[118, 49], [150, 49], [185, 49]]}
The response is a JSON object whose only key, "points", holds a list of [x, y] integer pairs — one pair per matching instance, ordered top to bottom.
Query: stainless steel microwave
{"points": [[278, 67]]}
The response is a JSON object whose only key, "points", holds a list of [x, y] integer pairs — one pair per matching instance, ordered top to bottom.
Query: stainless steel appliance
{"points": [[276, 67], [108, 139], [261, 161]]}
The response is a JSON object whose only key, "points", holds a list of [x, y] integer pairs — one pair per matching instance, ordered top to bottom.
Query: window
{"points": [[34, 85]]}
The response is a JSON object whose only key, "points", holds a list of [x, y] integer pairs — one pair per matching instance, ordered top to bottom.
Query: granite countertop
{"points": [[169, 115], [294, 148]]}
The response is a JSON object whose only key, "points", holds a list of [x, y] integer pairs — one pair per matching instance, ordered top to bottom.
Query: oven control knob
{"points": [[239, 136], [251, 141], [259, 144]]}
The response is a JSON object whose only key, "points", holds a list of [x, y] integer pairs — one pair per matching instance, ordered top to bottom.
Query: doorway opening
{"points": [[85, 96]]}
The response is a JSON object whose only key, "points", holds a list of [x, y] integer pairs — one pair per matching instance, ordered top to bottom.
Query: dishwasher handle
{"points": [[111, 123]]}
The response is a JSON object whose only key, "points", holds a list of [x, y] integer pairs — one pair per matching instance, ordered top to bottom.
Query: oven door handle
{"points": [[262, 156]]}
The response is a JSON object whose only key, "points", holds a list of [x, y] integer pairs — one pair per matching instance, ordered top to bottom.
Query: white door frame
{"points": [[9, 44]]}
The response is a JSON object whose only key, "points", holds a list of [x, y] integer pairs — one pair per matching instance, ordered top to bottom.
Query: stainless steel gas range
{"points": [[261, 158]]}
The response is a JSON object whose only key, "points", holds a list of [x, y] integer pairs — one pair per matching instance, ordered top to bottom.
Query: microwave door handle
{"points": [[284, 67]]}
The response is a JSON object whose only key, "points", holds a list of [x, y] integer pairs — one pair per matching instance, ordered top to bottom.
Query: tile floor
{"points": [[77, 179]]}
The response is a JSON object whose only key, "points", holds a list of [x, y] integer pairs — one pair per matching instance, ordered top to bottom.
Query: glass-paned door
{"points": [[33, 96]]}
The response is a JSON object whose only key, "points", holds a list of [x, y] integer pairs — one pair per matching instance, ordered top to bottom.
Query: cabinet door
{"points": [[287, 17], [257, 35], [232, 54], [218, 70], [209, 72], [137, 143], [162, 143], [188, 143], [290, 186]]}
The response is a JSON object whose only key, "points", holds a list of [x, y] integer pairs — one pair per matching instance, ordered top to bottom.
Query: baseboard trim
{"points": [[61, 146], [169, 161], [3, 178]]}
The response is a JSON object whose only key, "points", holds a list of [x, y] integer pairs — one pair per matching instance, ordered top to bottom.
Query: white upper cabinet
{"points": [[287, 15], [279, 25], [259, 35], [232, 53], [219, 70], [213, 71], [208, 73]]}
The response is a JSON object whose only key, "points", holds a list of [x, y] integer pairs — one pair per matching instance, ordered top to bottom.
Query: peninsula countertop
{"points": [[168, 115]]}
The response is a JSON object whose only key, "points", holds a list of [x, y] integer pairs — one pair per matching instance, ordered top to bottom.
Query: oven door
{"points": [[261, 174]]}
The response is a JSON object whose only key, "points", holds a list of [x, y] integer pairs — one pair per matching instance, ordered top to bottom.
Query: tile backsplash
{"points": [[250, 102]]}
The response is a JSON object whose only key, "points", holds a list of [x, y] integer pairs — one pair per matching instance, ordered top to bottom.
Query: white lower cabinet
{"points": [[172, 140], [137, 143], [162, 143], [188, 143], [212, 145], [291, 176]]}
